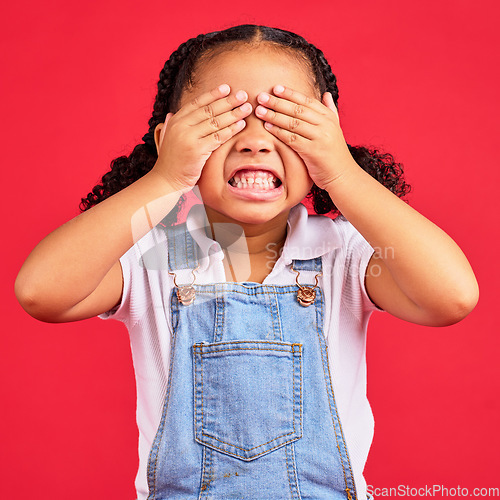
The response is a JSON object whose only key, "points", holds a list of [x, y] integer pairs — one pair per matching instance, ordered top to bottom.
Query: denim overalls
{"points": [[249, 411]]}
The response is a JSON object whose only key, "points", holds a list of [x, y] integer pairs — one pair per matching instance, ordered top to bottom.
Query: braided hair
{"points": [[178, 75]]}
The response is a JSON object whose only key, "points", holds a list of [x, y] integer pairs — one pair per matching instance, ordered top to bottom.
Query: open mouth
{"points": [[258, 180]]}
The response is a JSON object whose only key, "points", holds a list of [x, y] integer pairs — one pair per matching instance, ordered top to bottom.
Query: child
{"points": [[248, 322]]}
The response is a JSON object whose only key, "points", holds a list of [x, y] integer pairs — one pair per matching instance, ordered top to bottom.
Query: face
{"points": [[253, 70]]}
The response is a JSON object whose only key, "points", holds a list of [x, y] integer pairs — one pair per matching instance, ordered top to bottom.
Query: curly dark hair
{"points": [[178, 75]]}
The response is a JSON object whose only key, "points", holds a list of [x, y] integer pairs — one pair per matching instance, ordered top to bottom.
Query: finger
{"points": [[198, 101], [214, 103], [293, 103], [329, 103], [215, 109], [219, 122], [290, 123], [164, 128], [292, 139], [212, 141]]}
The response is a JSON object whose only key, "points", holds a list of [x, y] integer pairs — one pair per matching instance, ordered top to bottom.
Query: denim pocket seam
{"points": [[198, 350], [290, 456]]}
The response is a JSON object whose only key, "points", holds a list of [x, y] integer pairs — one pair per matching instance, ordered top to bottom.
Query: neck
{"points": [[254, 239], [250, 249]]}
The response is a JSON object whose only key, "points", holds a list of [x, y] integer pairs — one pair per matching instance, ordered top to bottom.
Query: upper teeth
{"points": [[254, 178]]}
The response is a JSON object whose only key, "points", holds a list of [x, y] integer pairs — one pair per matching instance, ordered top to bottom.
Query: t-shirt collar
{"points": [[308, 236]]}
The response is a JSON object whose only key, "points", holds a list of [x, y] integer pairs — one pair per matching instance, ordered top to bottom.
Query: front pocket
{"points": [[247, 396]]}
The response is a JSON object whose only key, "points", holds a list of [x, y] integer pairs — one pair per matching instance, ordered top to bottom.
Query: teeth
{"points": [[254, 180]]}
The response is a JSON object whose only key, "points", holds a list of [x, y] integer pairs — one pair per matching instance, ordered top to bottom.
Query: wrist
{"points": [[345, 174], [168, 184]]}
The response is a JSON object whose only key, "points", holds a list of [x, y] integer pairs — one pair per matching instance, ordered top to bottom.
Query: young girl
{"points": [[248, 321]]}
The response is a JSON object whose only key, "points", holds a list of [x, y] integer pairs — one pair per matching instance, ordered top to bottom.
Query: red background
{"points": [[418, 79]]}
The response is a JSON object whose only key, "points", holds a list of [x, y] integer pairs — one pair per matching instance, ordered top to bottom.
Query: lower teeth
{"points": [[255, 185]]}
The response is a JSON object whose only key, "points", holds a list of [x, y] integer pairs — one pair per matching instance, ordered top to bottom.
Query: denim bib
{"points": [[249, 411]]}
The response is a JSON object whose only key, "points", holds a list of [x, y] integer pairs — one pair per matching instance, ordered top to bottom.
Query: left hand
{"points": [[311, 128]]}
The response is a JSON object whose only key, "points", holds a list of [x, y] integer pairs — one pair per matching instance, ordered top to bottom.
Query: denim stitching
{"points": [[200, 289], [283, 291], [319, 311], [219, 316], [277, 327], [290, 345], [247, 349], [198, 350], [277, 437], [254, 447], [155, 448], [253, 456], [290, 457], [211, 470], [288, 471], [203, 485], [297, 488]]}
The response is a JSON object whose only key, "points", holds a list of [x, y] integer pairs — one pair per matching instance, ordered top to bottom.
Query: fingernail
{"points": [[224, 88], [279, 88], [241, 95], [263, 98], [261, 110]]}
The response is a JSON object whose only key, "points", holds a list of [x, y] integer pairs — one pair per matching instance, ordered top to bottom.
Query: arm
{"points": [[74, 273], [417, 273]]}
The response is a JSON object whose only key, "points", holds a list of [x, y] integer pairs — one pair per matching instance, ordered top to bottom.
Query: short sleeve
{"points": [[357, 254], [140, 265], [121, 311]]}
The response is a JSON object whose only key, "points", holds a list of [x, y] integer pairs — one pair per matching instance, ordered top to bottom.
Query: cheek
{"points": [[296, 168]]}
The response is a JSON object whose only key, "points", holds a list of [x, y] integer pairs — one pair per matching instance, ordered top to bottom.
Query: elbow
{"points": [[25, 296], [31, 301], [458, 306]]}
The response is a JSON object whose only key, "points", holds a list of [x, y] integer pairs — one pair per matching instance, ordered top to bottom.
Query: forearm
{"points": [[84, 249], [425, 263]]}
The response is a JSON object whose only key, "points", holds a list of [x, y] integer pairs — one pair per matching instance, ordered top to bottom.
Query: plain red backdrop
{"points": [[417, 79]]}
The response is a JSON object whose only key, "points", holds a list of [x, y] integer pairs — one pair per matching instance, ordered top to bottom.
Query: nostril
{"points": [[250, 150]]}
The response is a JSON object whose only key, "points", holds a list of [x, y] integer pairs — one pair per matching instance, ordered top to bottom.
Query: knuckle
{"points": [[309, 100], [195, 101], [298, 109], [208, 110], [214, 122], [294, 123], [217, 138], [292, 138]]}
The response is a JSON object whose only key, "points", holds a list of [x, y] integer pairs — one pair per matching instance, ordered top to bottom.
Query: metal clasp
{"points": [[185, 293], [306, 294]]}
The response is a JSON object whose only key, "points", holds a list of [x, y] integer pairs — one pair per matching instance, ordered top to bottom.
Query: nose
{"points": [[254, 138]]}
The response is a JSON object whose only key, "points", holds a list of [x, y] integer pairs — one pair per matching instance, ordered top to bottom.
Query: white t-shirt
{"points": [[345, 255]]}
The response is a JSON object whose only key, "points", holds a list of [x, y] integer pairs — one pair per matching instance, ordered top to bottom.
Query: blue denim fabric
{"points": [[249, 411]]}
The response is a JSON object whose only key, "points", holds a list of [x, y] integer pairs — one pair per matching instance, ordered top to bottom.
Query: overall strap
{"points": [[182, 249], [313, 265]]}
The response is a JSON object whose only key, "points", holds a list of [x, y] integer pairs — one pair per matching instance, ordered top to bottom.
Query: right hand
{"points": [[188, 137]]}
